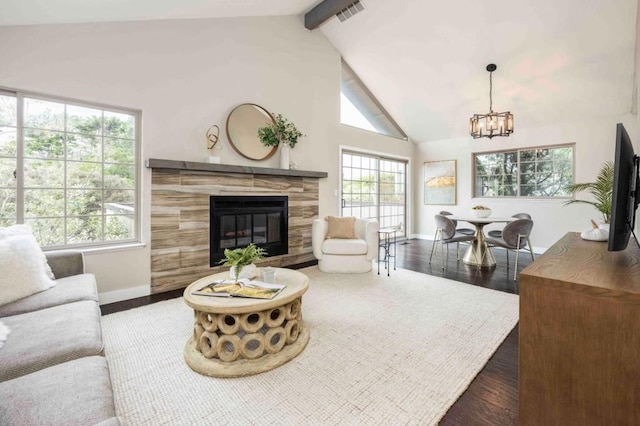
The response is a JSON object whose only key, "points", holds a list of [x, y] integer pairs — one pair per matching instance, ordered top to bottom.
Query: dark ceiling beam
{"points": [[324, 11]]}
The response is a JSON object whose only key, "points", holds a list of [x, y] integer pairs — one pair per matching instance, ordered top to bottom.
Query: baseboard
{"points": [[422, 237], [124, 294]]}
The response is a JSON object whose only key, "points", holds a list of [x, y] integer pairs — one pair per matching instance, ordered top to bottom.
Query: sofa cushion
{"points": [[340, 227], [11, 231], [344, 247], [23, 271], [67, 290], [4, 333], [50, 336], [73, 393]]}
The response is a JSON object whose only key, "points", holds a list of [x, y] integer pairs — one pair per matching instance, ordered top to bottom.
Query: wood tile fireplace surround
{"points": [[180, 194]]}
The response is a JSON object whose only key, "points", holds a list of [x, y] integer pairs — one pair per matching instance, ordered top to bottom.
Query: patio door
{"points": [[375, 187]]}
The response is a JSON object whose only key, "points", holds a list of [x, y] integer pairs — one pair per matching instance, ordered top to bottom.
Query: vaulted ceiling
{"points": [[558, 60]]}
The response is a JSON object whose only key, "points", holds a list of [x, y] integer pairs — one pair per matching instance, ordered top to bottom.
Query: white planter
{"points": [[284, 156], [604, 226], [248, 271]]}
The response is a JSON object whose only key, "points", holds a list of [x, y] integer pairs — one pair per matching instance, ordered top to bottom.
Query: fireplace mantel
{"points": [[155, 163], [180, 214]]}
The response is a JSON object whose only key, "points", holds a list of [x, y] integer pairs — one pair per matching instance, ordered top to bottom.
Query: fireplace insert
{"points": [[237, 221]]}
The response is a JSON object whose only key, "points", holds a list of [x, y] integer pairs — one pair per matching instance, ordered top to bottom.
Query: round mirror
{"points": [[242, 130]]}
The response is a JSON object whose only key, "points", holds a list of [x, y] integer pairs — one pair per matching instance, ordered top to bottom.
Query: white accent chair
{"points": [[337, 255]]}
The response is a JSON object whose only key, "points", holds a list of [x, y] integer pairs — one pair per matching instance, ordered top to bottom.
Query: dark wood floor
{"points": [[492, 398]]}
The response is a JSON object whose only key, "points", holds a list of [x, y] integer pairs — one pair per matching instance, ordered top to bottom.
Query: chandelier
{"points": [[493, 123]]}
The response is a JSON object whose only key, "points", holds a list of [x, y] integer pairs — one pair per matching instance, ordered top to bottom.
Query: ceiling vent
{"points": [[349, 11]]}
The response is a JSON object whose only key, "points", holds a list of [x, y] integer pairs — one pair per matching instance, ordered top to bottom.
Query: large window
{"points": [[68, 169], [531, 172], [375, 187]]}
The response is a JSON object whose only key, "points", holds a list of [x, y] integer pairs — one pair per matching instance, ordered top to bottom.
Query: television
{"points": [[626, 192]]}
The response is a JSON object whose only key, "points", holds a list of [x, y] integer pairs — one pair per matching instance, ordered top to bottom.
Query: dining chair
{"points": [[463, 231], [497, 233], [446, 234], [515, 236]]}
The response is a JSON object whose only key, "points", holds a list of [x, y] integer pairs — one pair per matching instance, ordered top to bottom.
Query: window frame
{"points": [[20, 96], [518, 150]]}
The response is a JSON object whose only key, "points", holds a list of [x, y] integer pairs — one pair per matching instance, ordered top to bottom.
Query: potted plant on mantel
{"points": [[281, 133], [601, 190], [241, 261]]}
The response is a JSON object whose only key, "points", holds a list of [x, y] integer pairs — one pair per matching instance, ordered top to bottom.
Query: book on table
{"points": [[241, 288]]}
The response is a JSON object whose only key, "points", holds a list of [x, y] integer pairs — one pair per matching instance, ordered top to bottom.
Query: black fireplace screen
{"points": [[237, 221]]}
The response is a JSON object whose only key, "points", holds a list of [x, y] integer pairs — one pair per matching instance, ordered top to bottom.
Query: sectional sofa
{"points": [[52, 368]]}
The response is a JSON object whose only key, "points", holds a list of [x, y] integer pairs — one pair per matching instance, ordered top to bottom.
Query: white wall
{"points": [[185, 76], [595, 144]]}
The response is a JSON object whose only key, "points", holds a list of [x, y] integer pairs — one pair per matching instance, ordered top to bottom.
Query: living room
{"points": [[567, 72]]}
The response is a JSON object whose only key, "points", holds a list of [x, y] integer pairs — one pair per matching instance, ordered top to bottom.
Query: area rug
{"points": [[383, 350]]}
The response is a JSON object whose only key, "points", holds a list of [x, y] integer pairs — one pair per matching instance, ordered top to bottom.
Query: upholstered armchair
{"points": [[345, 255]]}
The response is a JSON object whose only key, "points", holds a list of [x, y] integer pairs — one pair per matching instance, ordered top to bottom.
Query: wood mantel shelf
{"points": [[155, 163]]}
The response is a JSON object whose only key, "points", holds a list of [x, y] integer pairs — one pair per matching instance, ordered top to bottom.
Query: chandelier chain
{"points": [[490, 91]]}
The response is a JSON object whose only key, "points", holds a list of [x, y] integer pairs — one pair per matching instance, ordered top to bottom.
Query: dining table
{"points": [[478, 253]]}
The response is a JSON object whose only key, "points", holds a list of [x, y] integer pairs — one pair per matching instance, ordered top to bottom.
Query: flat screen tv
{"points": [[626, 192]]}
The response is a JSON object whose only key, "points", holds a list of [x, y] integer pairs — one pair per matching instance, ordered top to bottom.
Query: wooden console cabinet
{"points": [[579, 348]]}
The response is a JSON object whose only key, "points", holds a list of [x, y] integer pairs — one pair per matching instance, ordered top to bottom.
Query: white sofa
{"points": [[346, 255]]}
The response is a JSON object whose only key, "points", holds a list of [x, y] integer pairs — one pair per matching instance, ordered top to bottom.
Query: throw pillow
{"points": [[341, 227], [25, 230], [23, 272], [4, 333]]}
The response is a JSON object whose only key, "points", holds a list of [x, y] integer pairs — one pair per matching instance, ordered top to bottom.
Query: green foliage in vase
{"points": [[281, 131], [601, 190], [242, 256]]}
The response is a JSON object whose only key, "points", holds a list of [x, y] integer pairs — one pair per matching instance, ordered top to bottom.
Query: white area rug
{"points": [[396, 350]]}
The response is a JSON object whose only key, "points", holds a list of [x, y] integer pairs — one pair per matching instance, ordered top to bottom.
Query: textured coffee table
{"points": [[234, 336]]}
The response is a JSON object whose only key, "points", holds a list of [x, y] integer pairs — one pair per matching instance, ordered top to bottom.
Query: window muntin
{"points": [[68, 169], [531, 172], [375, 187]]}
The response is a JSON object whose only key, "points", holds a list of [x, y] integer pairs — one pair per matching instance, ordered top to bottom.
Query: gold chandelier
{"points": [[493, 123]]}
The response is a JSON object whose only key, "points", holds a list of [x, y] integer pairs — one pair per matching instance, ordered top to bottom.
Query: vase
{"points": [[284, 156], [604, 226], [247, 271]]}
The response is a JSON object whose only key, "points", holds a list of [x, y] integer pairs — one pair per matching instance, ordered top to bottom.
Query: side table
{"points": [[387, 248]]}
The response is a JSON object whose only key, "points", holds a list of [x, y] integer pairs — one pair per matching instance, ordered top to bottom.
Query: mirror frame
{"points": [[247, 154]]}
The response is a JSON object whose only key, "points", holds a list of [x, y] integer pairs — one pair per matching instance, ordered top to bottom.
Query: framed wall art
{"points": [[440, 182]]}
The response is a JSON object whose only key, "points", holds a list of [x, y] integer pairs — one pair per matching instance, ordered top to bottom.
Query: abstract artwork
{"points": [[440, 182]]}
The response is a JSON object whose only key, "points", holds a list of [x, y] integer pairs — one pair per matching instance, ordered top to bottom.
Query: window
{"points": [[359, 108], [69, 170], [532, 172], [375, 187]]}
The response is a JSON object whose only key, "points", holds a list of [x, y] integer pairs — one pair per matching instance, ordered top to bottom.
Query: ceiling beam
{"points": [[324, 11]]}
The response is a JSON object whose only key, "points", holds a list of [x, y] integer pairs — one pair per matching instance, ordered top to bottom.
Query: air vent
{"points": [[350, 10]]}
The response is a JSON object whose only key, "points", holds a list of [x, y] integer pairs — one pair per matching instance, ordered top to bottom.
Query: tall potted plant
{"points": [[281, 133], [601, 190], [241, 261]]}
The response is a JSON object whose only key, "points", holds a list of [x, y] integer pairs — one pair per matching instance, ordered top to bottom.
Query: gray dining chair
{"points": [[463, 231], [497, 233], [446, 234], [515, 236]]}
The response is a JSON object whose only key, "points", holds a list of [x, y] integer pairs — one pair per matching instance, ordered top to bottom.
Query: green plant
{"points": [[281, 131], [601, 190], [242, 257]]}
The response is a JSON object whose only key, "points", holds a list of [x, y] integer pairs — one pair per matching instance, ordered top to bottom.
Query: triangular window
{"points": [[359, 108]]}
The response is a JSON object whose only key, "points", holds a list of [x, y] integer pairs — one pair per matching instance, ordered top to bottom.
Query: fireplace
{"points": [[237, 221]]}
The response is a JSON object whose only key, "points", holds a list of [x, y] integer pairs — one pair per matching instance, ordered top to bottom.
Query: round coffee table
{"points": [[235, 336]]}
